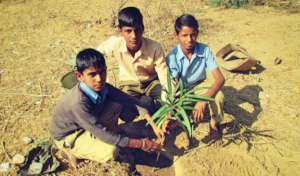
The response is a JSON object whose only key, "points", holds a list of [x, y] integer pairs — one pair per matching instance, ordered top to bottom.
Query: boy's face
{"points": [[133, 37], [187, 38], [92, 77]]}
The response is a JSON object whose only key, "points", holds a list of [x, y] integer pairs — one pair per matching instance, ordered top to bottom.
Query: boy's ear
{"points": [[119, 29], [175, 35], [78, 75]]}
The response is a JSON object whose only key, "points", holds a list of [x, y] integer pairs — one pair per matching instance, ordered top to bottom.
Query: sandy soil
{"points": [[38, 37]]}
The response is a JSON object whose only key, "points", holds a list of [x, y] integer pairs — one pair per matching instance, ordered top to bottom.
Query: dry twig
{"points": [[21, 94], [6, 152]]}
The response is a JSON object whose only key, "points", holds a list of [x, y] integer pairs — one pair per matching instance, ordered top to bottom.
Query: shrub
{"points": [[230, 3], [242, 3]]}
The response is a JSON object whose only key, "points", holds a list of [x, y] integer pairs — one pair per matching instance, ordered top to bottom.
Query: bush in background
{"points": [[229, 3], [242, 3]]}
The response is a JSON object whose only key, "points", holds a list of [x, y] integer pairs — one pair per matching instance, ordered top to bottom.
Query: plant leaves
{"points": [[169, 81], [181, 88], [200, 97], [160, 111], [186, 120]]}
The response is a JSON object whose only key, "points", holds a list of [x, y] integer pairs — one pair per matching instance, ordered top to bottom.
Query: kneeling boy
{"points": [[190, 61], [85, 122]]}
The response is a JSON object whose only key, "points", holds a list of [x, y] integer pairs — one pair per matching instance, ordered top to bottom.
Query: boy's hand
{"points": [[198, 111], [168, 124], [158, 132], [160, 135], [145, 144], [150, 146]]}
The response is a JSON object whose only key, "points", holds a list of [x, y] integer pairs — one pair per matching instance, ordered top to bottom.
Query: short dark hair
{"points": [[130, 16], [186, 20], [89, 58]]}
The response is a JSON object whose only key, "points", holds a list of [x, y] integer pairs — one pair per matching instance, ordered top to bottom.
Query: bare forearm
{"points": [[218, 83], [212, 91]]}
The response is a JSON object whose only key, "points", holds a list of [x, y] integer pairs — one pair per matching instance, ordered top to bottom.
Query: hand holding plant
{"points": [[198, 111], [150, 146]]}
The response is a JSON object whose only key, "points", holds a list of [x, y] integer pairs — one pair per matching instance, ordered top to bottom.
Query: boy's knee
{"points": [[219, 97]]}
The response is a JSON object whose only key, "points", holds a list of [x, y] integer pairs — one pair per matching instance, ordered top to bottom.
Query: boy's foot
{"points": [[214, 136], [72, 160], [134, 173]]}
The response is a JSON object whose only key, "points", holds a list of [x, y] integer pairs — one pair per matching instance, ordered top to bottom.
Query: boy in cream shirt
{"points": [[141, 61]]}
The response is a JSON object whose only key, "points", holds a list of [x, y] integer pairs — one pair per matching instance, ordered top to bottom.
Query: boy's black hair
{"points": [[130, 16], [186, 20], [89, 58]]}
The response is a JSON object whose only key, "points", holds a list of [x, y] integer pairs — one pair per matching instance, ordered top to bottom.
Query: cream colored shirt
{"points": [[147, 64]]}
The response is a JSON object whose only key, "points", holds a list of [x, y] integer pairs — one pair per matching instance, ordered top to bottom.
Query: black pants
{"points": [[137, 156]]}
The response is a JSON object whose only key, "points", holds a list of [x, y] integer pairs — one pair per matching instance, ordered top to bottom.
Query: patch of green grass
{"points": [[230, 3], [243, 3]]}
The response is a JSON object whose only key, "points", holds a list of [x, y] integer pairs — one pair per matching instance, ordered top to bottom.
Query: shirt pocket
{"points": [[144, 66]]}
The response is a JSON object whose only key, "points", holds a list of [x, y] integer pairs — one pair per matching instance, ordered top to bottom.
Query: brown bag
{"points": [[233, 57]]}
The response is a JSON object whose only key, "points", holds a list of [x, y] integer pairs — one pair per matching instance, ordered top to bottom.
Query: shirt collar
{"points": [[124, 49], [199, 51], [179, 53], [94, 96]]}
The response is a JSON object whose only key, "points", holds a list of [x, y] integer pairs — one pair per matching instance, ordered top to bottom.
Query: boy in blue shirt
{"points": [[190, 61]]}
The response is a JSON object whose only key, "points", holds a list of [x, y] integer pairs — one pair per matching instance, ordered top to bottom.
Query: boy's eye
{"points": [[92, 74]]}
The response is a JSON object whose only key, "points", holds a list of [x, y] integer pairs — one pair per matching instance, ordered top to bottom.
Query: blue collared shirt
{"points": [[191, 71], [96, 97]]}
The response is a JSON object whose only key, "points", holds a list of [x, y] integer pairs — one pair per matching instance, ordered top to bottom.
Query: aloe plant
{"points": [[179, 102]]}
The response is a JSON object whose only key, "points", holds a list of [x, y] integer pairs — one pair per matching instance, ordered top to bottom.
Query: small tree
{"points": [[179, 103]]}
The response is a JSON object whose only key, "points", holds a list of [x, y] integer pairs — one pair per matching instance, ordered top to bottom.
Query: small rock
{"points": [[52, 16], [99, 21], [89, 25], [277, 61], [259, 79], [28, 83], [27, 140], [18, 159], [4, 167]]}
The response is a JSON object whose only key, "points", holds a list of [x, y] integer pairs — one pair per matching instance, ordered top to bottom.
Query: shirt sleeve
{"points": [[107, 47], [210, 60], [161, 67], [173, 68], [125, 99], [88, 122]]}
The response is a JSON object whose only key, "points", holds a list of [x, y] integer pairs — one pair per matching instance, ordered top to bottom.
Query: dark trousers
{"points": [[148, 93]]}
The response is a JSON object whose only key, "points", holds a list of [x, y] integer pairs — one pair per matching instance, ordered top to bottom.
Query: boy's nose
{"points": [[133, 34], [189, 38], [98, 78]]}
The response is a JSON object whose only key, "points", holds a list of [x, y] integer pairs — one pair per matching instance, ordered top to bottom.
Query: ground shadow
{"points": [[257, 70], [239, 129]]}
